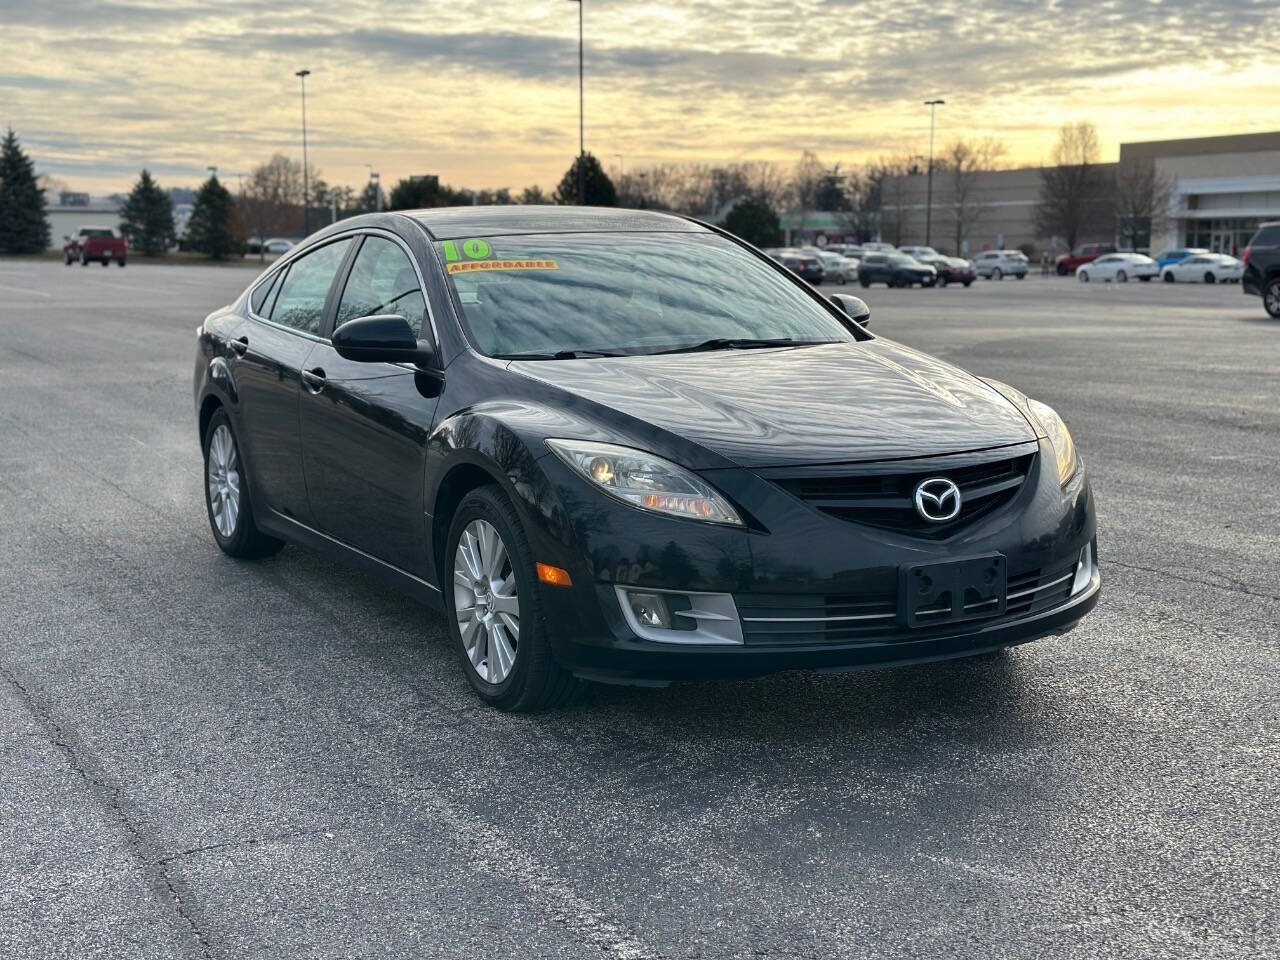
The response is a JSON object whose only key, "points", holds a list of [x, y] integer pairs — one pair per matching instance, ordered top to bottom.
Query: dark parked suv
{"points": [[1262, 267], [895, 270]]}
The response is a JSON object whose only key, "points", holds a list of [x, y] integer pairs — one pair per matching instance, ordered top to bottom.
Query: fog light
{"points": [[1084, 570], [650, 609]]}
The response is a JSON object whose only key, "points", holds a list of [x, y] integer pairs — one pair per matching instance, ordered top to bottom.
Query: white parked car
{"points": [[875, 246], [998, 264], [1119, 267], [1205, 268], [840, 269]]}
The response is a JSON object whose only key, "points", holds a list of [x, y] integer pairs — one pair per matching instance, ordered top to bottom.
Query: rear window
{"points": [[97, 232], [1268, 236]]}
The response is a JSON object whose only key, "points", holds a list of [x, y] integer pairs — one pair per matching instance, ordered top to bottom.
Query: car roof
{"points": [[456, 223]]}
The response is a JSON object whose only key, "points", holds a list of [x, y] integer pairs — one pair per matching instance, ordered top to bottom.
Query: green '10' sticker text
{"points": [[469, 250]]}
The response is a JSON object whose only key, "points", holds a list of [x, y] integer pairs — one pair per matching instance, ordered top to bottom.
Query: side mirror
{"points": [[855, 307], [382, 339]]}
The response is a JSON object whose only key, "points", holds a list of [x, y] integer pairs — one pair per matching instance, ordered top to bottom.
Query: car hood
{"points": [[837, 403]]}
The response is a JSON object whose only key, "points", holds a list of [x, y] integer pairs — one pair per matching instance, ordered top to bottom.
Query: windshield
{"points": [[559, 295]]}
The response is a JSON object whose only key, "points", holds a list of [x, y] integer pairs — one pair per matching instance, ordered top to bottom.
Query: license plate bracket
{"points": [[953, 591]]}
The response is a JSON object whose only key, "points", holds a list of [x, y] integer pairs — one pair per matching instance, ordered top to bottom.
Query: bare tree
{"points": [[962, 163], [807, 180], [890, 190], [1073, 191], [272, 195], [1143, 198]]}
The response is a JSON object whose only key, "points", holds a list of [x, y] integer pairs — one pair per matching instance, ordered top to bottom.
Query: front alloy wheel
{"points": [[486, 602], [495, 608]]}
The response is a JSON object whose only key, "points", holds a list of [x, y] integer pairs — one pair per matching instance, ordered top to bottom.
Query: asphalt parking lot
{"points": [[203, 758]]}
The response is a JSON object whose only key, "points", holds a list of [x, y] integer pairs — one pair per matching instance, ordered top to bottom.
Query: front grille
{"points": [[879, 497], [874, 620]]}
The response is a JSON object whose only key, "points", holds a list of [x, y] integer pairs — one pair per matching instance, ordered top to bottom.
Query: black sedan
{"points": [[951, 269], [895, 270], [629, 447]]}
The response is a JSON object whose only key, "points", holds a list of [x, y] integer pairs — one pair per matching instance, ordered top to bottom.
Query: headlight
{"points": [[1059, 436], [645, 481]]}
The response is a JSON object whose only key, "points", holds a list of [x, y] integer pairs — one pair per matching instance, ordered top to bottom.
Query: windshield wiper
{"points": [[743, 343], [558, 355]]}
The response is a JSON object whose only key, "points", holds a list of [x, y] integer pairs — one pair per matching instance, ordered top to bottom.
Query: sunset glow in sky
{"points": [[485, 93]]}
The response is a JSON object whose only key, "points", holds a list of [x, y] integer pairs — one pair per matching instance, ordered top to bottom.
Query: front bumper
{"points": [[797, 563]]}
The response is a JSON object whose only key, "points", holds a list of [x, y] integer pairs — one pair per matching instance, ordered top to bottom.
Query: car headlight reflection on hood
{"points": [[1051, 426], [645, 481]]}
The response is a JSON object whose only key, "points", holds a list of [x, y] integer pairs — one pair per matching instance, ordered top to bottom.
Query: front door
{"points": [[364, 425]]}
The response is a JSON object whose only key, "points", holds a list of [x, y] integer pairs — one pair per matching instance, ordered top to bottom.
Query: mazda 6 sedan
{"points": [[628, 447]]}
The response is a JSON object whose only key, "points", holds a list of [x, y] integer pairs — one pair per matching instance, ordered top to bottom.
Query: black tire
{"points": [[67, 258], [106, 261], [121, 261], [1062, 270], [997, 274], [1021, 276], [1083, 276], [1121, 277], [1168, 277], [1209, 277], [942, 282], [967, 282], [864, 283], [1271, 297], [245, 540], [535, 681]]}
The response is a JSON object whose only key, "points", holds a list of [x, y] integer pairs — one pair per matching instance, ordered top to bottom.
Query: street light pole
{"points": [[582, 136], [376, 179], [306, 187], [928, 210]]}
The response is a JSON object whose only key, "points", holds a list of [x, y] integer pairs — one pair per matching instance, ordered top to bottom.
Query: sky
{"points": [[485, 93]]}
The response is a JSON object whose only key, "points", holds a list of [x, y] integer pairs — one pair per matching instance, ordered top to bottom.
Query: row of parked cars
{"points": [[1102, 261], [905, 266]]}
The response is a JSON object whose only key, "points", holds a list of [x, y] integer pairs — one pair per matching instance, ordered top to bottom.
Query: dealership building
{"points": [[1222, 188]]}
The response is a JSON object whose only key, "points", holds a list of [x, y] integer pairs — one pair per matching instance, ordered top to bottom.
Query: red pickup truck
{"points": [[91, 244], [1085, 253]]}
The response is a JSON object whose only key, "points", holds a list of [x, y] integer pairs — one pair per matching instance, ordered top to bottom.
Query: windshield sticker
{"points": [[470, 249], [475, 266]]}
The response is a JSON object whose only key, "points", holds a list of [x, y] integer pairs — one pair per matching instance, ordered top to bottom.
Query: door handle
{"points": [[240, 346], [313, 379]]}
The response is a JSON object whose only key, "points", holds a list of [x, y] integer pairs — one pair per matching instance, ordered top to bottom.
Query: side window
{"points": [[382, 281], [260, 299], [300, 303]]}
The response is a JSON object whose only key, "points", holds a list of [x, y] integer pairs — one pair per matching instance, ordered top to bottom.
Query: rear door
{"points": [[275, 343], [364, 425]]}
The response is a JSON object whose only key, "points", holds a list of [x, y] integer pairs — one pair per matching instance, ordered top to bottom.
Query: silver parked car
{"points": [[998, 264]]}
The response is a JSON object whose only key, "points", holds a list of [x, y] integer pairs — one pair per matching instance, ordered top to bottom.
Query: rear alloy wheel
{"points": [[997, 274], [1083, 275], [1121, 277], [1209, 277], [1271, 297], [227, 496], [494, 608]]}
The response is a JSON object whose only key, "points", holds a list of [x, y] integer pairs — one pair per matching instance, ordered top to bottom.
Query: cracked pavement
{"points": [[204, 758]]}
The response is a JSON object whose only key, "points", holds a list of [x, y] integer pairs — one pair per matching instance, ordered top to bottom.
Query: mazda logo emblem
{"points": [[937, 499]]}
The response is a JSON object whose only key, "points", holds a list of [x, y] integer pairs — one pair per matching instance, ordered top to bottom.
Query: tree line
{"points": [[875, 200]]}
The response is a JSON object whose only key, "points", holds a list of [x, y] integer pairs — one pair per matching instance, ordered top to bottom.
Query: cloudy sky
{"points": [[485, 93]]}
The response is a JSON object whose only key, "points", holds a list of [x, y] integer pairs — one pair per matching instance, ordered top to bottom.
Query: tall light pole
{"points": [[582, 136], [306, 186], [928, 209]]}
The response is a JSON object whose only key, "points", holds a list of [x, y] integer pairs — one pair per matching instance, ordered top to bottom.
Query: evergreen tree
{"points": [[597, 186], [147, 217], [754, 221], [23, 227], [211, 229]]}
